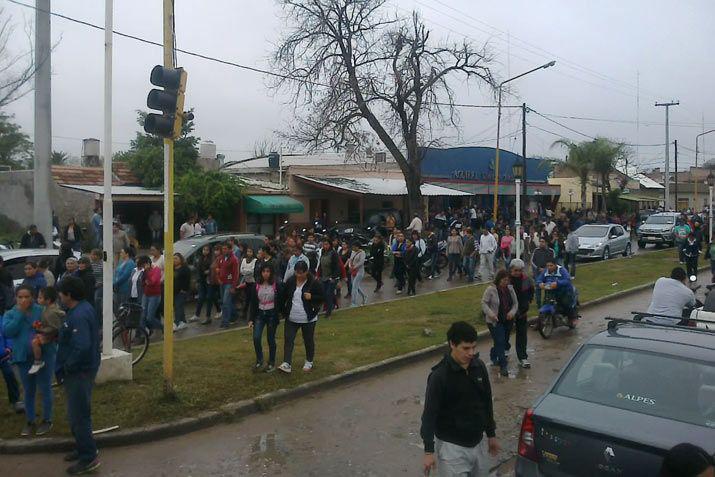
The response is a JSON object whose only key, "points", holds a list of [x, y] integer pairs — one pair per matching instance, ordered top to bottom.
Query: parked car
{"points": [[658, 229], [602, 241], [14, 260], [626, 397]]}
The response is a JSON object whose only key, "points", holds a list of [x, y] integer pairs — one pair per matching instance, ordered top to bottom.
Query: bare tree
{"points": [[350, 67], [16, 69]]}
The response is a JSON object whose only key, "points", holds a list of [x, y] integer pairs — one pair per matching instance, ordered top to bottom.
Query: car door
{"points": [[623, 237]]}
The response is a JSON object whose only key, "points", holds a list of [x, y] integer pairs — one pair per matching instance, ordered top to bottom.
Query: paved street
{"points": [[386, 294], [369, 428]]}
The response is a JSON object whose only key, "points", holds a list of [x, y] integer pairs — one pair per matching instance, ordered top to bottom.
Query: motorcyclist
{"points": [[557, 279], [670, 297]]}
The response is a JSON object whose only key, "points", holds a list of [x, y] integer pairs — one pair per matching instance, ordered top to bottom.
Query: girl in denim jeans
{"points": [[264, 315]]}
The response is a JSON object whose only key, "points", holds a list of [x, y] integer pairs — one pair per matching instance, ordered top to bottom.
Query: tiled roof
{"points": [[121, 175]]}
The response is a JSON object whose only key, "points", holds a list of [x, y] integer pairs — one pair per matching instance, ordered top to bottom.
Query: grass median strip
{"points": [[214, 370]]}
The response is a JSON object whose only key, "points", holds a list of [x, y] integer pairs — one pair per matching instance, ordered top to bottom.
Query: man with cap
{"points": [[524, 288]]}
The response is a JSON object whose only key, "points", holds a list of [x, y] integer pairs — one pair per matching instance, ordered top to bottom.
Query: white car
{"points": [[14, 260], [706, 313]]}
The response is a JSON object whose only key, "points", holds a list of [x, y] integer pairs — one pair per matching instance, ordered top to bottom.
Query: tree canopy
{"points": [[16, 149]]}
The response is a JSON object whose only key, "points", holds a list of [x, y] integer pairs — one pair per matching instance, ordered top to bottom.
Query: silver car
{"points": [[602, 241]]}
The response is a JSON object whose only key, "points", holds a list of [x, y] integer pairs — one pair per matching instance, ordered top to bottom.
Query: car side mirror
{"points": [[613, 236]]}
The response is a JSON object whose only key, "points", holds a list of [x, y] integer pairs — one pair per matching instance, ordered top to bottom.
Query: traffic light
{"points": [[170, 101]]}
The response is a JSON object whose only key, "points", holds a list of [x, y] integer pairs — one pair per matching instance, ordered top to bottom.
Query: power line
{"points": [[625, 121]]}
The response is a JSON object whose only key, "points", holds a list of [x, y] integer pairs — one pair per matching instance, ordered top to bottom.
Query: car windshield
{"points": [[660, 219], [591, 231], [633, 380]]}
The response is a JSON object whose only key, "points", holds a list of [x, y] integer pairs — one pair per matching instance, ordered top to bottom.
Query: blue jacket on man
{"points": [[122, 276], [37, 282], [79, 341]]}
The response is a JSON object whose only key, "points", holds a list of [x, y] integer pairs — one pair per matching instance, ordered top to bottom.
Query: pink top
{"points": [[506, 241]]}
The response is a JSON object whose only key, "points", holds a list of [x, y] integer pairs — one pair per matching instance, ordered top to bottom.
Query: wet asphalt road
{"points": [[368, 428]]}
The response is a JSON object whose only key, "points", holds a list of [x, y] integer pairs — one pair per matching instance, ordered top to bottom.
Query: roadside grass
{"points": [[216, 369]]}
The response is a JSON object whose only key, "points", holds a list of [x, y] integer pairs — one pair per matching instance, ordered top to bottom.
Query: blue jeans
{"points": [[453, 263], [469, 264], [434, 267], [357, 288], [98, 294], [329, 294], [179, 301], [150, 304], [226, 304], [269, 320], [499, 336], [42, 380], [13, 390], [78, 390]]}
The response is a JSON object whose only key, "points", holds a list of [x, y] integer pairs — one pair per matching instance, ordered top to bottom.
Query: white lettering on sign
{"points": [[636, 398]]}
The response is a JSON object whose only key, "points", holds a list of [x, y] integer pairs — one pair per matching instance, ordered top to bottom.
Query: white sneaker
{"points": [[218, 315], [194, 318], [182, 326], [175, 327], [506, 352], [524, 364], [36, 366], [285, 367], [308, 367]]}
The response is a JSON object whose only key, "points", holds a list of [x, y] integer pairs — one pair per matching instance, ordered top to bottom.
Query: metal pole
{"points": [[667, 150], [697, 150], [523, 151], [496, 159], [676, 174], [107, 206], [697, 207], [42, 208], [710, 216], [168, 218], [517, 222]]}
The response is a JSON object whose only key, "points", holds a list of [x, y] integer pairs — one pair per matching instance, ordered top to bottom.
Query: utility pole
{"points": [[667, 150], [523, 151], [676, 173], [107, 206], [42, 209], [168, 217]]}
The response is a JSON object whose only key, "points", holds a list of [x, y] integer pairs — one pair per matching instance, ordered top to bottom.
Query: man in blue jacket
{"points": [[557, 279], [78, 359]]}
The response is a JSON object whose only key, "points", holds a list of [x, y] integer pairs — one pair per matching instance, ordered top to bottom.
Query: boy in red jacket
{"points": [[227, 271]]}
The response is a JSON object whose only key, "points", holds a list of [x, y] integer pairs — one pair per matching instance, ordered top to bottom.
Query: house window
{"points": [[260, 224]]}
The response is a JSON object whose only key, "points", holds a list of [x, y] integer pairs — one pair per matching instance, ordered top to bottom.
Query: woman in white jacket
{"points": [[357, 271], [500, 305]]}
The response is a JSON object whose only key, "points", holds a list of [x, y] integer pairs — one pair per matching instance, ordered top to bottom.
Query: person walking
{"points": [[156, 225], [455, 246], [421, 247], [505, 247], [487, 249], [571, 249], [344, 252], [691, 252], [469, 253], [377, 254], [433, 254], [297, 256], [356, 264], [411, 265], [398, 269], [227, 271], [122, 274], [328, 274], [247, 280], [203, 282], [182, 287], [524, 289], [151, 295], [301, 299], [500, 305], [265, 316], [19, 325], [78, 361], [459, 411]]}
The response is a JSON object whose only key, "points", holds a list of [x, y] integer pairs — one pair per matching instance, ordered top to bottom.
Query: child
{"points": [[48, 327]]}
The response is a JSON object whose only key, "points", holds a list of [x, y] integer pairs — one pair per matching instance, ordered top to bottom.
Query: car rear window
{"points": [[644, 382]]}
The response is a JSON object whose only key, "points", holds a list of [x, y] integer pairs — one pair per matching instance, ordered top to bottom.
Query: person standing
{"points": [[96, 224], [416, 224], [156, 225], [210, 226], [187, 229], [681, 232], [72, 234], [33, 239], [455, 246], [505, 247], [487, 249], [571, 249], [691, 252], [344, 253], [433, 253], [377, 254], [470, 254], [297, 256], [539, 258], [356, 264], [411, 265], [43, 266], [203, 270], [227, 271], [84, 273], [122, 274], [329, 274], [34, 278], [247, 280], [182, 286], [524, 289], [151, 295], [300, 300], [500, 305], [265, 315], [19, 325], [78, 360], [13, 390], [458, 410]]}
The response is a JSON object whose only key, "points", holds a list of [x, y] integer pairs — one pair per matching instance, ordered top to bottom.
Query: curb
{"points": [[237, 410]]}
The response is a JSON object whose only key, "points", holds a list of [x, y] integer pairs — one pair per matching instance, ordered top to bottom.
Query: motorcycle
{"points": [[441, 259], [550, 315]]}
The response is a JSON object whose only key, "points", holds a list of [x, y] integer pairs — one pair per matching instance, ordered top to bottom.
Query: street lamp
{"points": [[496, 160], [696, 161], [518, 171], [711, 183]]}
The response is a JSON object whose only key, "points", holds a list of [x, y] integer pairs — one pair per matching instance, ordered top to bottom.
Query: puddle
{"points": [[268, 449]]}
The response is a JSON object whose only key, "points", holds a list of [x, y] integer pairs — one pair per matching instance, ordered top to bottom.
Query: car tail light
{"points": [[527, 444]]}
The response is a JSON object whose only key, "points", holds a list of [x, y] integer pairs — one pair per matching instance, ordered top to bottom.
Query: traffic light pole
{"points": [[168, 218]]}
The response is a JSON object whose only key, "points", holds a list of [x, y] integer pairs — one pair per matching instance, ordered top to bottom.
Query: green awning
{"points": [[272, 204]]}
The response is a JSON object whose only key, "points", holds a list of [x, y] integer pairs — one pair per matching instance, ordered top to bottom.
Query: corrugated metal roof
{"points": [[76, 175], [647, 182], [379, 186], [116, 190]]}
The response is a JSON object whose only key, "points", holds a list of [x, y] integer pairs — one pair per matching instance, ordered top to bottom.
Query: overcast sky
{"points": [[601, 49]]}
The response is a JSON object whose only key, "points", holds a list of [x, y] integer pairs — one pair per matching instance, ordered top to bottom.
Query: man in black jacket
{"points": [[33, 239], [377, 255], [329, 273], [85, 274], [524, 288], [300, 302], [458, 410]]}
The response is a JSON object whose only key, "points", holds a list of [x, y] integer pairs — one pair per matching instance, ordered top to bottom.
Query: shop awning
{"points": [[378, 186], [637, 198], [272, 204]]}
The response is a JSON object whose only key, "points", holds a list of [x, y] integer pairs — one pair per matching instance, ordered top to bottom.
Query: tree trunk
{"points": [[413, 180], [604, 194], [583, 195]]}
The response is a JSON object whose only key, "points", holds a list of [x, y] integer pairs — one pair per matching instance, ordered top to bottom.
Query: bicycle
{"points": [[128, 334]]}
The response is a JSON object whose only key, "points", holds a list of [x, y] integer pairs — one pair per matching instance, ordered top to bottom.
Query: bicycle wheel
{"points": [[134, 341]]}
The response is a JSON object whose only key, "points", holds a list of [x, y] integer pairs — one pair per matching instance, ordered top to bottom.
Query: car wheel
{"points": [[641, 244], [627, 251], [606, 254]]}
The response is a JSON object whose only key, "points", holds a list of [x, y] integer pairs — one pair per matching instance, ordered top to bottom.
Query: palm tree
{"points": [[59, 158], [578, 161]]}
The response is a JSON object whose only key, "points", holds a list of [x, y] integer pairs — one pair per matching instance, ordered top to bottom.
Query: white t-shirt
{"points": [[473, 213], [415, 225], [198, 229], [186, 230], [135, 279], [669, 298], [297, 311]]}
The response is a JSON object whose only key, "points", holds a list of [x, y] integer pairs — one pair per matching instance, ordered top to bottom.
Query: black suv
{"points": [[627, 396]]}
